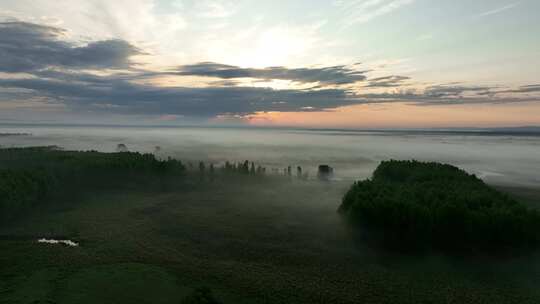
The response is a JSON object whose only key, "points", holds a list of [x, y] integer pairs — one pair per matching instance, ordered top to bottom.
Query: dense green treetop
{"points": [[411, 204]]}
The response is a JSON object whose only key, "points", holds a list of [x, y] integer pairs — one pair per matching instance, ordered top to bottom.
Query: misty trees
{"points": [[121, 148], [246, 168], [325, 172], [30, 176], [410, 204]]}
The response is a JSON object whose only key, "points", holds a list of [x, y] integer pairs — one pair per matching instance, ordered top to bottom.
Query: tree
{"points": [[121, 148]]}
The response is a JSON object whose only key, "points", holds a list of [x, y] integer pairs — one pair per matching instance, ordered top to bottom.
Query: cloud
{"points": [[206, 8], [215, 9], [498, 10], [365, 11], [28, 47], [57, 73], [68, 75], [334, 75], [387, 81], [532, 88], [455, 91], [83, 92], [117, 94], [445, 94], [421, 99]]}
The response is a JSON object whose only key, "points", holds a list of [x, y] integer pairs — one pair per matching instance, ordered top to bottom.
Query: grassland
{"points": [[249, 239]]}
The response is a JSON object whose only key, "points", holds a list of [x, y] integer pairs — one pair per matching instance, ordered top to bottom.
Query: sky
{"points": [[333, 63]]}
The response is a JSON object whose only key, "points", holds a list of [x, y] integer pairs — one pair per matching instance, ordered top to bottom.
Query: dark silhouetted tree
{"points": [[121, 148]]}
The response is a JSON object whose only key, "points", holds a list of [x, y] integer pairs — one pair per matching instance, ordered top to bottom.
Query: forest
{"points": [[36, 175], [412, 204]]}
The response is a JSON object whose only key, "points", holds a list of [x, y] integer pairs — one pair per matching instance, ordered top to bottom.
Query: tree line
{"points": [[31, 176]]}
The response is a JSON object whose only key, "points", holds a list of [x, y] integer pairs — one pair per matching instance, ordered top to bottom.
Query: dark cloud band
{"points": [[27, 47], [335, 75], [117, 94]]}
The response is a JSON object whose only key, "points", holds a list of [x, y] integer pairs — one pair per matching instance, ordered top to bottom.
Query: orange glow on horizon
{"points": [[405, 115]]}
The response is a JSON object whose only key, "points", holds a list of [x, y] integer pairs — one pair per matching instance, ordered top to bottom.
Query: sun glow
{"points": [[275, 47], [259, 48]]}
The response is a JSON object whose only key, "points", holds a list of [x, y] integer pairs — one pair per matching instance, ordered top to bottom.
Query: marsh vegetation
{"points": [[157, 230]]}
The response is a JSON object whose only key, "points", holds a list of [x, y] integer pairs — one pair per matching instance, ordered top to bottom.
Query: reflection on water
{"points": [[353, 154], [69, 243]]}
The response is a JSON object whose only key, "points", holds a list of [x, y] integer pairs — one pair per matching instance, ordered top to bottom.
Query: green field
{"points": [[250, 239]]}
